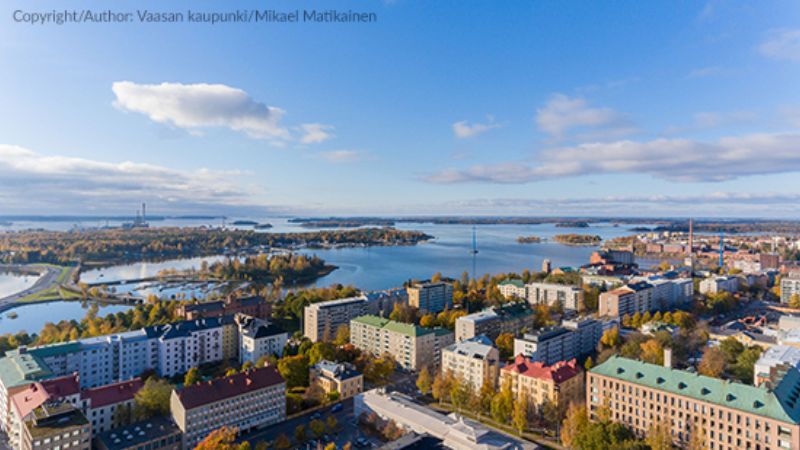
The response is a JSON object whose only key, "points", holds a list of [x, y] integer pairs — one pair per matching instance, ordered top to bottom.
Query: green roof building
{"points": [[411, 346], [725, 414]]}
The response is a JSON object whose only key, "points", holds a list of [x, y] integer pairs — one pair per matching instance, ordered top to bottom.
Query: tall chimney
{"points": [[691, 238], [668, 358]]}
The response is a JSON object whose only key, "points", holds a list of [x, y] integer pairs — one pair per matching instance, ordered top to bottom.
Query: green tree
{"points": [[342, 335], [320, 351], [294, 369], [152, 399], [502, 405], [574, 423]]}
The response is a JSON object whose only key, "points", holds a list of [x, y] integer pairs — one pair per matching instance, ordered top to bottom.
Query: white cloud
{"points": [[782, 45], [197, 106], [562, 115], [791, 115], [714, 119], [464, 129], [314, 133], [341, 156], [671, 159], [31, 181]]}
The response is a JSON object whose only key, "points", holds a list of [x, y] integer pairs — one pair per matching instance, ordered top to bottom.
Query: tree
{"points": [[794, 301], [427, 321], [342, 335], [610, 338], [505, 343], [320, 351], [652, 352], [713, 362], [588, 364], [745, 364], [294, 369], [192, 377], [424, 381], [441, 387], [460, 393], [485, 396], [152, 399], [502, 405], [520, 415], [575, 421], [331, 423], [317, 428], [300, 433], [659, 435], [219, 439], [282, 442], [330, 446]]}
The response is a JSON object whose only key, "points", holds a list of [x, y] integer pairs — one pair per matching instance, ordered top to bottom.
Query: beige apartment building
{"points": [[430, 297], [513, 317], [322, 320], [412, 346], [474, 360], [336, 377], [559, 384], [246, 401], [724, 415], [56, 426]]}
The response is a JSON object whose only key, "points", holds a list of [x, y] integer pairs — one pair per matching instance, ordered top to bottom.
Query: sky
{"points": [[624, 108]]}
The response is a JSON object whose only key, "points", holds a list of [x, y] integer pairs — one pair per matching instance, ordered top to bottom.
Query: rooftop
{"points": [[513, 282], [338, 302], [508, 311], [398, 327], [478, 347], [20, 368], [341, 371], [558, 372], [228, 387], [112, 393], [780, 404], [54, 418], [138, 433]]}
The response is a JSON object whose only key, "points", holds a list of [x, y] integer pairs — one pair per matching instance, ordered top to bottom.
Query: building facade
{"points": [[717, 285], [790, 285], [430, 297], [569, 297], [254, 306], [322, 320], [491, 322], [259, 338], [573, 339], [412, 346], [475, 361], [336, 377], [559, 384], [247, 401], [720, 414]]}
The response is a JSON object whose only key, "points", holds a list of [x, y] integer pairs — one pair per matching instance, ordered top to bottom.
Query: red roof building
{"points": [[560, 383]]}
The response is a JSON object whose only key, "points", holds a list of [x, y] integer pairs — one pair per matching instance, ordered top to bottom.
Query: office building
{"points": [[430, 297], [511, 318], [412, 346], [474, 361], [342, 378], [558, 384], [246, 401], [719, 414]]}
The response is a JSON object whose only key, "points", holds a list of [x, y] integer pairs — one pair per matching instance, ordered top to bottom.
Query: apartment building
{"points": [[717, 285], [790, 285], [513, 288], [645, 294], [430, 297], [569, 297], [255, 306], [322, 320], [491, 322], [259, 338], [573, 339], [412, 346], [475, 361], [774, 362], [336, 377], [559, 384], [246, 401], [24, 402], [111, 406], [723, 415], [56, 426], [157, 433]]}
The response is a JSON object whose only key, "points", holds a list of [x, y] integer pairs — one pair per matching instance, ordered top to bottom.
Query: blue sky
{"points": [[446, 107]]}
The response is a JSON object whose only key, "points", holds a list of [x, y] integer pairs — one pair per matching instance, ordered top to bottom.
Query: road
{"points": [[47, 280], [347, 431]]}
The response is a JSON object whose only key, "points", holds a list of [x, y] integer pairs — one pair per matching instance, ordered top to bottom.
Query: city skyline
{"points": [[520, 108]]}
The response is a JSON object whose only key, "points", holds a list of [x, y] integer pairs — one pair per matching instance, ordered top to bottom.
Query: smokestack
{"points": [[144, 206], [691, 238], [668, 358]]}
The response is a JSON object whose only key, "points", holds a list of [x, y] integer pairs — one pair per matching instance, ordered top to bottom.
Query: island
{"points": [[244, 223], [572, 225], [263, 226], [529, 239], [578, 239]]}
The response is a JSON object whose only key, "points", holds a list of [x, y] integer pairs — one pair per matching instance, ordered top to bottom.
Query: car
{"points": [[337, 407]]}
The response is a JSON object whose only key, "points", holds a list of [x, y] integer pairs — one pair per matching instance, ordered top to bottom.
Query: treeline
{"points": [[578, 239], [153, 243], [262, 268], [155, 313]]}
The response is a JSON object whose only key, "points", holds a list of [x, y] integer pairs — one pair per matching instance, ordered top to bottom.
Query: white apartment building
{"points": [[716, 285], [790, 285], [570, 297], [322, 320], [259, 338], [574, 339], [474, 360]]}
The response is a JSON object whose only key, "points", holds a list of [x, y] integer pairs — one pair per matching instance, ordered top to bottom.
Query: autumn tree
{"points": [[342, 335], [505, 343], [652, 352], [713, 362], [192, 377], [424, 381], [502, 405], [520, 415], [574, 422], [317, 428], [300, 433], [659, 435], [219, 439], [282, 442]]}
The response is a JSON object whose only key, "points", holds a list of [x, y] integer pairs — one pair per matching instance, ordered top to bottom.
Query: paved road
{"points": [[48, 279], [348, 430]]}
